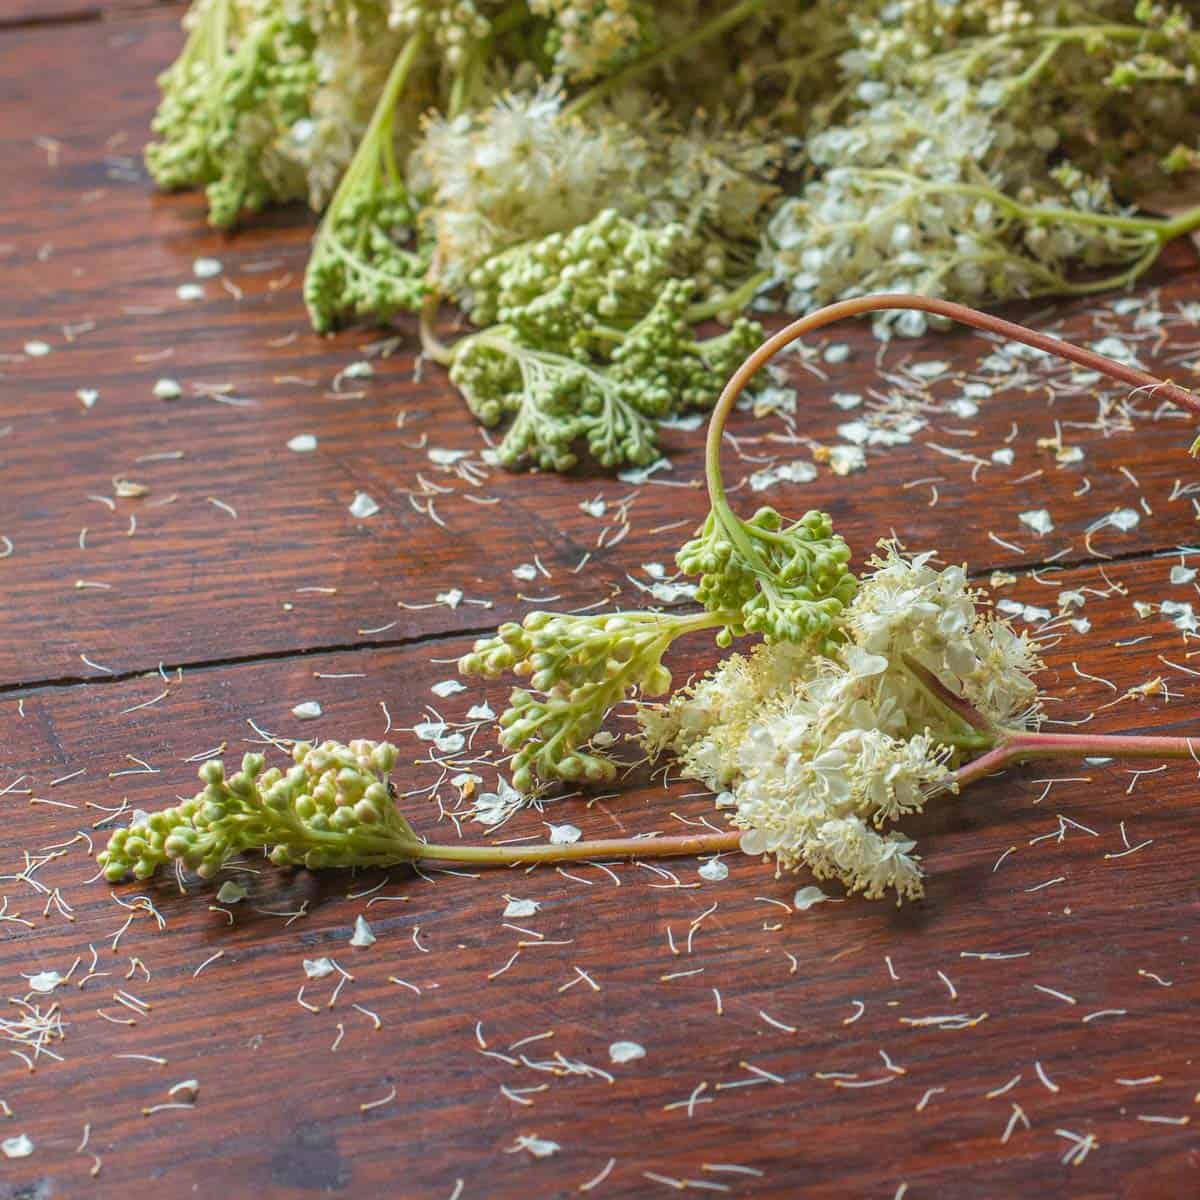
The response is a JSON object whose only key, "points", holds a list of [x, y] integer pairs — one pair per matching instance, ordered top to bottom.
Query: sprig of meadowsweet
{"points": [[580, 667], [864, 699], [812, 755], [333, 807]]}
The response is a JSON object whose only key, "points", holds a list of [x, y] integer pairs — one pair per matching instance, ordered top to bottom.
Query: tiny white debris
{"points": [[206, 268], [189, 291], [37, 349], [837, 353], [930, 369], [359, 370], [168, 389], [88, 397], [846, 400], [964, 408], [691, 421], [302, 443], [1068, 455], [1004, 456], [446, 458], [844, 460], [793, 472], [639, 475], [363, 506], [594, 508], [1037, 519], [1123, 519], [655, 570], [526, 572], [1181, 574], [668, 593], [451, 599], [1071, 599], [1027, 612], [1182, 615], [448, 687], [307, 710], [481, 712], [435, 732], [493, 808], [564, 835], [714, 871], [231, 892], [806, 897], [521, 908], [362, 935], [318, 968], [44, 981], [623, 1052], [190, 1088], [17, 1147], [538, 1147]]}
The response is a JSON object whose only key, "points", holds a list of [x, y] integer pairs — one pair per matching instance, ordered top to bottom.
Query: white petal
{"points": [[363, 506], [806, 897], [362, 935], [623, 1052]]}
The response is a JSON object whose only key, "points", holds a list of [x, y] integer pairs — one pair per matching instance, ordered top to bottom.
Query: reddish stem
{"points": [[1022, 746]]}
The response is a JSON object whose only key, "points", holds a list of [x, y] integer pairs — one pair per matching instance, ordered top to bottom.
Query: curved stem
{"points": [[890, 301], [431, 345]]}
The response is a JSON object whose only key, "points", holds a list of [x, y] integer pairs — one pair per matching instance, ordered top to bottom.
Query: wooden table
{"points": [[786, 1053]]}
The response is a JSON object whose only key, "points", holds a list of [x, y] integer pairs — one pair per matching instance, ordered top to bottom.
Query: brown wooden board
{"points": [[16, 13], [87, 241], [293, 599], [1103, 915]]}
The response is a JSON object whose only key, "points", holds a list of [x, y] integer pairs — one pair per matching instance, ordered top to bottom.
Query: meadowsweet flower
{"points": [[813, 752]]}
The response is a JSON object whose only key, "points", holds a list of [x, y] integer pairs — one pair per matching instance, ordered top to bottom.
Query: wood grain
{"points": [[15, 13], [200, 584], [292, 599], [281, 1109]]}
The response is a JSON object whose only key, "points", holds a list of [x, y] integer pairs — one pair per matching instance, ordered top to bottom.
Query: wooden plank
{"points": [[15, 13], [90, 249], [279, 1108]]}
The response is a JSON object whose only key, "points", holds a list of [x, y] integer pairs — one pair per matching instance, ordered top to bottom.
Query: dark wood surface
{"points": [[226, 605]]}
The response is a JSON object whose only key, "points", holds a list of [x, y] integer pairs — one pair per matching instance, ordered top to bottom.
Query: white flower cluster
{"points": [[522, 168], [516, 171], [911, 201], [814, 755]]}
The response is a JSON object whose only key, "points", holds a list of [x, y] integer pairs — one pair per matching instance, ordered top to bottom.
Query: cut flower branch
{"points": [[587, 180], [865, 699]]}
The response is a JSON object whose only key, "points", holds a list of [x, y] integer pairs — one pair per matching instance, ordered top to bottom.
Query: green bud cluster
{"points": [[226, 102], [359, 266], [610, 270], [592, 344], [664, 369], [556, 402], [793, 589], [578, 668], [333, 807]]}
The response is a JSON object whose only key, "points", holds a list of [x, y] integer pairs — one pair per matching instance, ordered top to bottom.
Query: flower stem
{"points": [[930, 304], [1019, 745], [649, 847]]}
